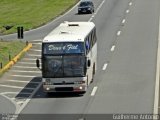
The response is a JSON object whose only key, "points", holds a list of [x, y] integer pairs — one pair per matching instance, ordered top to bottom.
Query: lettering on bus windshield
{"points": [[63, 48]]}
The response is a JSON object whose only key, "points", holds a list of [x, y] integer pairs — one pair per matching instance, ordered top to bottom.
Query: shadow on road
{"points": [[30, 88]]}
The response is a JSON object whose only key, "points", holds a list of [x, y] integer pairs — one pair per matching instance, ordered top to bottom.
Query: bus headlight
{"points": [[47, 88], [81, 88]]}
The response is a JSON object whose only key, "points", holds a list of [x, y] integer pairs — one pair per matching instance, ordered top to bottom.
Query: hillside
{"points": [[30, 13]]}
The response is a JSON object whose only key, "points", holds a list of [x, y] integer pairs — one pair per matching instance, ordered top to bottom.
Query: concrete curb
{"points": [[16, 58]]}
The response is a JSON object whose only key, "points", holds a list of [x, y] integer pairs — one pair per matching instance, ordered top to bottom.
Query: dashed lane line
{"points": [[130, 3], [97, 10], [127, 11], [123, 21], [118, 33], [113, 48], [105, 66], [94, 91]]}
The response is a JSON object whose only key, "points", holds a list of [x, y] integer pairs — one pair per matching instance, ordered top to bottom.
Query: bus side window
{"points": [[92, 36], [90, 40], [87, 45]]}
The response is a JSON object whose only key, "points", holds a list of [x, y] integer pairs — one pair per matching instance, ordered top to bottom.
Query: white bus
{"points": [[69, 57]]}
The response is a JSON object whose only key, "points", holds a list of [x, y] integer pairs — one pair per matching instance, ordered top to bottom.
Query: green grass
{"points": [[30, 13], [12, 48]]}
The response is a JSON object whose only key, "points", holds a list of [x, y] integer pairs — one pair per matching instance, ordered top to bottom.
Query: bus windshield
{"points": [[63, 48], [64, 66]]}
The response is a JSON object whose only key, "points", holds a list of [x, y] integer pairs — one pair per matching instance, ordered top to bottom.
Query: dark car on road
{"points": [[86, 6]]}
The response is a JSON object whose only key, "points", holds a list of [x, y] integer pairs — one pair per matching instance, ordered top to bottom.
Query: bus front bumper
{"points": [[64, 88]]}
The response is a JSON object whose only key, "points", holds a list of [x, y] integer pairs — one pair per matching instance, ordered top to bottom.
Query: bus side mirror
{"points": [[37, 63], [88, 63]]}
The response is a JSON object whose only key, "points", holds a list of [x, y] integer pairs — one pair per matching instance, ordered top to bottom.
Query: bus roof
{"points": [[70, 32]]}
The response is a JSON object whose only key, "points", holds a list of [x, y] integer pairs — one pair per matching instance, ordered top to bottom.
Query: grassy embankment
{"points": [[30, 13], [8, 50]]}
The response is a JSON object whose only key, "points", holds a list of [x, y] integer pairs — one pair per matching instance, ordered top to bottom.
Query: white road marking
{"points": [[130, 3], [97, 10], [127, 11], [123, 21], [118, 33], [37, 40], [37, 43], [113, 47], [35, 50], [34, 55], [29, 59], [27, 63], [105, 66], [24, 67], [25, 71], [24, 76], [20, 81], [10, 86], [17, 87], [94, 91], [9, 93], [23, 93], [156, 95], [18, 98], [28, 99], [20, 102], [26, 102], [17, 107], [81, 119]]}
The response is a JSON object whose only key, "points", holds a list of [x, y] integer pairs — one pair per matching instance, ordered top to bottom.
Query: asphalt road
{"points": [[127, 32]]}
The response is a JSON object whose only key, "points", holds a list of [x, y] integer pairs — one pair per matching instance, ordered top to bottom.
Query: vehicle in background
{"points": [[86, 6], [69, 57]]}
